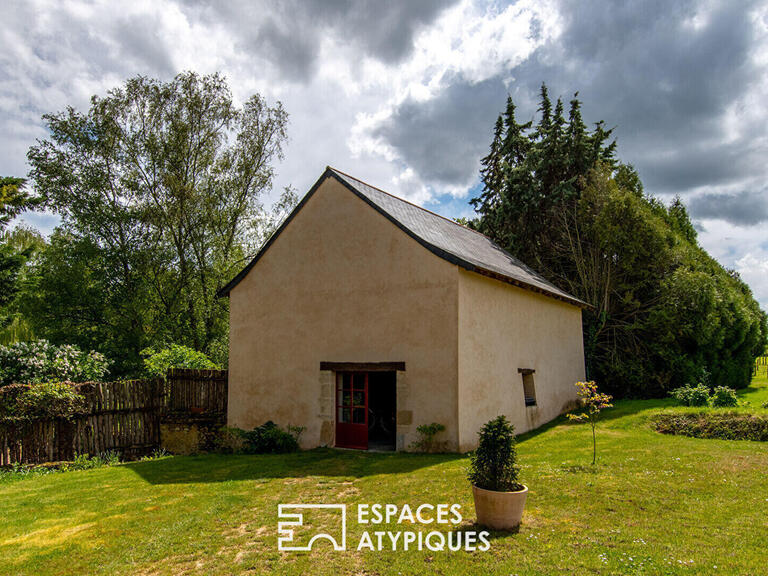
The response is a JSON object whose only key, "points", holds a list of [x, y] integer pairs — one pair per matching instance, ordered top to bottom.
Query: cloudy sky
{"points": [[404, 94]]}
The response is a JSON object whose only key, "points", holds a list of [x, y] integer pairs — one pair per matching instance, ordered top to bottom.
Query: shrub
{"points": [[41, 361], [158, 362], [692, 395], [9, 397], [724, 397], [44, 400], [722, 425], [296, 432], [268, 438], [229, 440], [426, 441], [157, 453], [81, 462], [85, 462], [493, 466], [17, 471]]}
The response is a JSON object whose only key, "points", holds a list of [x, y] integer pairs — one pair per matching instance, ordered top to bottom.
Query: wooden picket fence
{"points": [[202, 391], [122, 416]]}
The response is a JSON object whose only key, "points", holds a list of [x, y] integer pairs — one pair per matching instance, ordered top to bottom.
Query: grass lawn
{"points": [[757, 394], [654, 505]]}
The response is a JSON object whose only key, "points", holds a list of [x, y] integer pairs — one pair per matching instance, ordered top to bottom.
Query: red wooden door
{"points": [[352, 410]]}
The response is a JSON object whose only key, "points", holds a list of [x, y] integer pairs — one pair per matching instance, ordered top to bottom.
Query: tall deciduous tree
{"points": [[164, 180]]}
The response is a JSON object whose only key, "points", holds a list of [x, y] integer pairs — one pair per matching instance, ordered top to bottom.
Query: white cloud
{"points": [[469, 43], [341, 92], [741, 248], [754, 271]]}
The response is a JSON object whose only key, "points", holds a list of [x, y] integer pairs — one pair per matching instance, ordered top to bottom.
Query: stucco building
{"points": [[365, 316]]}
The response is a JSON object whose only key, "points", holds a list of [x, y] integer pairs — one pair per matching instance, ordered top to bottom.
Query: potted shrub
{"points": [[499, 496]]}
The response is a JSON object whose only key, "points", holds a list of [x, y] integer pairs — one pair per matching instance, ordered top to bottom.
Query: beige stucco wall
{"points": [[341, 283], [503, 328]]}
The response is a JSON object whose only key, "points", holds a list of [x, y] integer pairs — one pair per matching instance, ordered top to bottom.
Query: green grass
{"points": [[757, 394], [654, 505]]}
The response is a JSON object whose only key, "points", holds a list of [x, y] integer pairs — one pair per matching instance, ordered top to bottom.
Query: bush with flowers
{"points": [[40, 361]]}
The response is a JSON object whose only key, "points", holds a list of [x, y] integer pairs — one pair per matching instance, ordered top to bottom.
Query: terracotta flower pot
{"points": [[499, 510]]}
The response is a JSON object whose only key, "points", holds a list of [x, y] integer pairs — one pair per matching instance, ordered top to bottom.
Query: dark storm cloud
{"points": [[385, 30], [289, 33], [296, 55], [663, 73], [662, 80], [443, 138], [742, 208]]}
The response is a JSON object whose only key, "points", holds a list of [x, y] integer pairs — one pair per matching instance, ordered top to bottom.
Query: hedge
{"points": [[722, 425]]}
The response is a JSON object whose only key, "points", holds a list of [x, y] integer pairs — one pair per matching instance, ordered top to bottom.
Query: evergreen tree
{"points": [[531, 173], [504, 175], [15, 198], [679, 220], [662, 311]]}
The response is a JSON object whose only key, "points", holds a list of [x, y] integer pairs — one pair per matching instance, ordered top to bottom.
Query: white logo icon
{"points": [[285, 532]]}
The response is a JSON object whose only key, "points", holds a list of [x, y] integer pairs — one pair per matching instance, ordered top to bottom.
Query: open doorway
{"points": [[366, 404], [382, 406]]}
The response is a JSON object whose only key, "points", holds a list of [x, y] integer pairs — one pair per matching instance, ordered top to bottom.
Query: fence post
{"points": [[124, 416]]}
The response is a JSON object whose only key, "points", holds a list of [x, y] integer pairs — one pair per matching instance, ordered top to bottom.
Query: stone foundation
{"points": [[189, 434]]}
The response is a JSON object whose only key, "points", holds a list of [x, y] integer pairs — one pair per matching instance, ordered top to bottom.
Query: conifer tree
{"points": [[662, 311]]}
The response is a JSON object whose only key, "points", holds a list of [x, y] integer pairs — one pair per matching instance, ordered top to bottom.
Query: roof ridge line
{"points": [[331, 168], [489, 239], [515, 260], [472, 262]]}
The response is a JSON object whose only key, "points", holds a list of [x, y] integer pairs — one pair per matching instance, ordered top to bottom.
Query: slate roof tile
{"points": [[446, 238]]}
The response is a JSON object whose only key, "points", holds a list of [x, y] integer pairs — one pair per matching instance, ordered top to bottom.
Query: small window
{"points": [[529, 390]]}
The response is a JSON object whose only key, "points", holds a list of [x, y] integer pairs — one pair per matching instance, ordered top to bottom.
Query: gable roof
{"points": [[447, 239]]}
